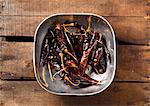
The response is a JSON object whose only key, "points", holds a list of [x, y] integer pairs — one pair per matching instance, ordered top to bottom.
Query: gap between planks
{"points": [[31, 39]]}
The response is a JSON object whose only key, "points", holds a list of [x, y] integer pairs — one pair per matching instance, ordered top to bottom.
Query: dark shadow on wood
{"points": [[17, 38]]}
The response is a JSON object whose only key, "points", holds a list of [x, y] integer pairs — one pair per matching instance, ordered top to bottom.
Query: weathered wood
{"points": [[101, 7], [131, 22], [18, 25], [128, 29], [135, 30], [16, 60], [133, 62], [30, 93]]}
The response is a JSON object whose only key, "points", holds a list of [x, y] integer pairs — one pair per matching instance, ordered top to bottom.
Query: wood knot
{"points": [[2, 5]]}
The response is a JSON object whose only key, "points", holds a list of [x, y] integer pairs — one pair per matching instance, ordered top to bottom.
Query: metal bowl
{"points": [[58, 87]]}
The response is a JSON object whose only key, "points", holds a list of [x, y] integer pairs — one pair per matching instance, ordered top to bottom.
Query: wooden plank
{"points": [[101, 7], [18, 25], [128, 29], [135, 30], [16, 60], [133, 62], [30, 93]]}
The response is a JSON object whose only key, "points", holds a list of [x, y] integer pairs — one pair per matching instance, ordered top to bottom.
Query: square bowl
{"points": [[99, 24]]}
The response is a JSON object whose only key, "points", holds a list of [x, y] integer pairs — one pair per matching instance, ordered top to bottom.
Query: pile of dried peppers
{"points": [[71, 53]]}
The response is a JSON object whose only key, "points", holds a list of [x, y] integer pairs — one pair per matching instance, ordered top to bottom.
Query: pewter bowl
{"points": [[58, 87]]}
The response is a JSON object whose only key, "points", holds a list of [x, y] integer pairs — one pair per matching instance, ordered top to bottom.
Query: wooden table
{"points": [[131, 22]]}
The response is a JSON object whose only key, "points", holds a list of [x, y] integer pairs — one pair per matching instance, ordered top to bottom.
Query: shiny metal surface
{"points": [[58, 87]]}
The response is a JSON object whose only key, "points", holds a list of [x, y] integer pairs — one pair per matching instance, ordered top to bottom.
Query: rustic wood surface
{"points": [[101, 7], [131, 22], [29, 93]]}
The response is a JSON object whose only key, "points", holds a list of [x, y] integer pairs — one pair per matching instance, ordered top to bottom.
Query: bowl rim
{"points": [[114, 42]]}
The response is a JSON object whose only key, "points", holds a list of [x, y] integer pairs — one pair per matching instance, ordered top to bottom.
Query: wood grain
{"points": [[101, 7], [131, 22], [135, 30], [16, 60], [133, 62], [31, 94]]}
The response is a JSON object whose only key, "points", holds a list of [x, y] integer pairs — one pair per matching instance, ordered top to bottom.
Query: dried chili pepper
{"points": [[68, 54]]}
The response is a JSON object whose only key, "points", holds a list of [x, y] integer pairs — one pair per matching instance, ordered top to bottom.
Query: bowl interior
{"points": [[99, 24]]}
